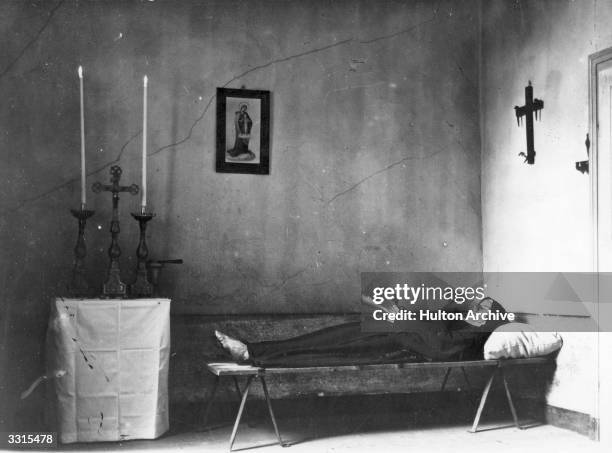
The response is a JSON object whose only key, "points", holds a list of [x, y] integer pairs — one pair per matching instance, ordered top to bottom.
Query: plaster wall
{"points": [[375, 153]]}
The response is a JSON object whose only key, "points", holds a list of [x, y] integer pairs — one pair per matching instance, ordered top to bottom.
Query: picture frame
{"points": [[243, 131]]}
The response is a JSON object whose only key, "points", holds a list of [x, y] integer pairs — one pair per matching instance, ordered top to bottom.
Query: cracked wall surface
{"points": [[375, 150]]}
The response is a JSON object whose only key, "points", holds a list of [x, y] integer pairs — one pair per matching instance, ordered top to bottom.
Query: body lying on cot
{"points": [[426, 345]]}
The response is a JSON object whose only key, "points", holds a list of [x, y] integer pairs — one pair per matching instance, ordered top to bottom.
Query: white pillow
{"points": [[517, 340]]}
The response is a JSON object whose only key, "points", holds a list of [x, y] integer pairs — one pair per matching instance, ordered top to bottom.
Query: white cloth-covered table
{"points": [[110, 361]]}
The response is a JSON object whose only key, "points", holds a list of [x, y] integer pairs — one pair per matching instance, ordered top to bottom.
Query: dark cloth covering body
{"points": [[347, 344]]}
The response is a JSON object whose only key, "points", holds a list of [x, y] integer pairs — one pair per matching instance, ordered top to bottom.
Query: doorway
{"points": [[600, 166]]}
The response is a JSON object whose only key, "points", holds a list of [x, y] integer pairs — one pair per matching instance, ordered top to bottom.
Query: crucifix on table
{"points": [[532, 106], [114, 286]]}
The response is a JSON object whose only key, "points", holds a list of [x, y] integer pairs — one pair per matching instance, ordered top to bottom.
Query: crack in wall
{"points": [[401, 32], [35, 38], [275, 61], [238, 77], [378, 172], [65, 184]]}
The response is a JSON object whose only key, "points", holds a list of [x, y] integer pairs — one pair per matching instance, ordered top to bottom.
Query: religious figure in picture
{"points": [[243, 125]]}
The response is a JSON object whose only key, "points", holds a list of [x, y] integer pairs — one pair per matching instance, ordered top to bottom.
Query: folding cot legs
{"points": [[253, 373], [485, 394], [243, 397]]}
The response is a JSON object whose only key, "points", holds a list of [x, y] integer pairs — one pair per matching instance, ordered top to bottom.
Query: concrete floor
{"points": [[358, 434]]}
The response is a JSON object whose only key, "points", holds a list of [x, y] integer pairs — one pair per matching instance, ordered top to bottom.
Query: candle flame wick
{"points": [[80, 72], [145, 80]]}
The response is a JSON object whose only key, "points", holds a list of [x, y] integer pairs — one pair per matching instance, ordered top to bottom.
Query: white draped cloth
{"points": [[110, 360]]}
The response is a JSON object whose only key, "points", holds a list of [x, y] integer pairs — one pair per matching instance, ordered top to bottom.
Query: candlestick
{"points": [[83, 191], [143, 203], [79, 286], [141, 286]]}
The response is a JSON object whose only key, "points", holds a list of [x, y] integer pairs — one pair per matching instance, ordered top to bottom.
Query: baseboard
{"points": [[575, 421]]}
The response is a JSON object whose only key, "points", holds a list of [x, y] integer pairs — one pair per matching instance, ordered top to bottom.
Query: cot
{"points": [[253, 373]]}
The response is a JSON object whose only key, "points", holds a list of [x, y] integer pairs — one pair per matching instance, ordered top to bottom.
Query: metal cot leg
{"points": [[483, 400], [269, 403], [510, 403], [240, 410]]}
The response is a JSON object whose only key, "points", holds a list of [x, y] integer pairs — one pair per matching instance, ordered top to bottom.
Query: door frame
{"points": [[595, 60]]}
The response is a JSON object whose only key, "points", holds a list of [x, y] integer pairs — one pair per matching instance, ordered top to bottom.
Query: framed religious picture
{"points": [[243, 131]]}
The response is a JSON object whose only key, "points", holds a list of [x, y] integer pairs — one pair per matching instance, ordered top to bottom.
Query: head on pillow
{"points": [[486, 306]]}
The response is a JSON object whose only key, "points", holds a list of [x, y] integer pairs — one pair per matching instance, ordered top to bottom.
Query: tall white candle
{"points": [[144, 145], [83, 191]]}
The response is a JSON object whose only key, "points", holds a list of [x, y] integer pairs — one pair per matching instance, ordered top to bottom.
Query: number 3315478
{"points": [[30, 438]]}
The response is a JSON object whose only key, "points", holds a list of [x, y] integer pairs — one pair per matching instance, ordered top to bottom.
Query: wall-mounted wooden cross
{"points": [[532, 106], [114, 287]]}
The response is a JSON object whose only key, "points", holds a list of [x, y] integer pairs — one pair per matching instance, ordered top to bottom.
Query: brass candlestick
{"points": [[79, 287], [142, 287]]}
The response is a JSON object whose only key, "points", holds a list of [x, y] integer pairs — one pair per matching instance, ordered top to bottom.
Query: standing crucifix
{"points": [[532, 106], [114, 287]]}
